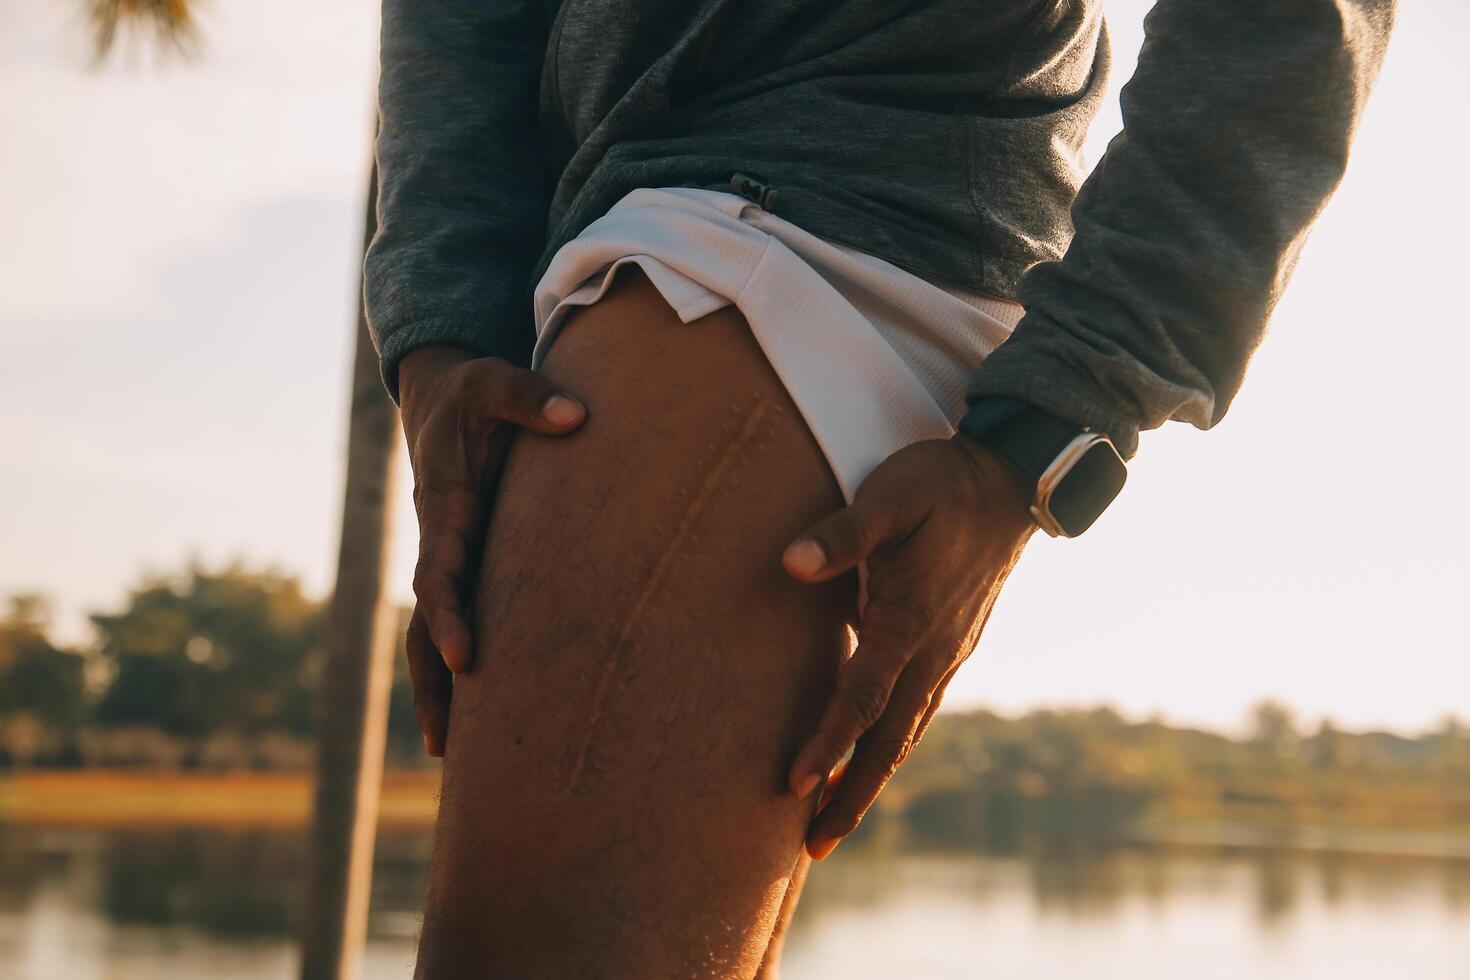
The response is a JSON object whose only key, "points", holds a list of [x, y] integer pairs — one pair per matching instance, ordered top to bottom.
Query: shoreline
{"points": [[105, 799]]}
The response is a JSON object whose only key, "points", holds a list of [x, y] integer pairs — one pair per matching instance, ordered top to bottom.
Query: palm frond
{"points": [[171, 22]]}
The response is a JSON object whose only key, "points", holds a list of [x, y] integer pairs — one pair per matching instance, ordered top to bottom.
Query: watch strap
{"points": [[1028, 437]]}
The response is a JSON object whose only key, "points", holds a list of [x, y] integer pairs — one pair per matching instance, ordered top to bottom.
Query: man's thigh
{"points": [[614, 799]]}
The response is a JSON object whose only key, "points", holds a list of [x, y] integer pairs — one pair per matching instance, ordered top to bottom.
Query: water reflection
{"points": [[227, 884], [171, 903]]}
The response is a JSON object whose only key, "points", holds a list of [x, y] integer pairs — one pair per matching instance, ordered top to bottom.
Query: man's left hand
{"points": [[940, 523]]}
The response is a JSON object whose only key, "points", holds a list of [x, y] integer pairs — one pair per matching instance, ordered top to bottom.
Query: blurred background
{"points": [[1227, 733]]}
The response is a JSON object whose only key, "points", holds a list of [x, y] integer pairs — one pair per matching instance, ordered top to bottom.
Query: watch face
{"points": [[1087, 489]]}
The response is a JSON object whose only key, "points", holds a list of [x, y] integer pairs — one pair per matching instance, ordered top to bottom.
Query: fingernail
{"points": [[561, 410], [805, 557], [428, 746], [805, 787], [821, 849]]}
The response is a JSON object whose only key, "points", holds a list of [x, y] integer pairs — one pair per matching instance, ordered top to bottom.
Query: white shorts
{"points": [[874, 357]]}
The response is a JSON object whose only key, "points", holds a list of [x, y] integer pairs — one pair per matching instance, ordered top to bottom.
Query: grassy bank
{"points": [[113, 798]]}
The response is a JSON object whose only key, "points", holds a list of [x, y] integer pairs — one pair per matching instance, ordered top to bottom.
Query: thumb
{"points": [[521, 397], [842, 539]]}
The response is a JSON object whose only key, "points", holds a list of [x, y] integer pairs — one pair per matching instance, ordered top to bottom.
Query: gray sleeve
{"points": [[1236, 127], [462, 196]]}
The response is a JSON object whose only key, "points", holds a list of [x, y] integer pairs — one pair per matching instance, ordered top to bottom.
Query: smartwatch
{"points": [[1076, 472]]}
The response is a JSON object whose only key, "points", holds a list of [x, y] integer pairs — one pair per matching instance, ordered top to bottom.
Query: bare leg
{"points": [[614, 801], [771, 961]]}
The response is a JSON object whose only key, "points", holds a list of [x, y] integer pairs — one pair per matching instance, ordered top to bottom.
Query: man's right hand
{"points": [[459, 411]]}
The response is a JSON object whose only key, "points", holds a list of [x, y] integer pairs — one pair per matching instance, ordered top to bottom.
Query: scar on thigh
{"points": [[754, 425]]}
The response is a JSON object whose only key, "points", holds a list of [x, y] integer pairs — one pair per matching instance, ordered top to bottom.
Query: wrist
{"points": [[423, 364], [1071, 473], [1003, 485]]}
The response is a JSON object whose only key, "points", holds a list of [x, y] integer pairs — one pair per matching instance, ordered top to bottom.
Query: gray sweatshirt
{"points": [[941, 135]]}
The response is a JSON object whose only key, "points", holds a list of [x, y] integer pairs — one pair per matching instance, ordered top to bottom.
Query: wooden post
{"points": [[355, 681]]}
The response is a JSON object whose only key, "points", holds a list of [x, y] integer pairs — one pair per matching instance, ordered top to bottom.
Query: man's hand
{"points": [[459, 411], [940, 523]]}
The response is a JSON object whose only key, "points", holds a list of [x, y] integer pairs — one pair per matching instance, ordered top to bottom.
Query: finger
{"points": [[496, 389], [878, 516], [448, 522], [433, 686], [863, 688], [935, 700], [879, 753], [831, 785]]}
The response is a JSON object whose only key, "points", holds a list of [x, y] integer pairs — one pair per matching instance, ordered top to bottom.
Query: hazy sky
{"points": [[177, 255]]}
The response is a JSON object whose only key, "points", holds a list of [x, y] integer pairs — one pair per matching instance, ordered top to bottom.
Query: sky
{"points": [[178, 246]]}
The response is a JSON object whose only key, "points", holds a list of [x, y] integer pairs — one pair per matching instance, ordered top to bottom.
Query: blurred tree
{"points": [[170, 21], [23, 625], [209, 651], [357, 672], [42, 691], [1273, 728], [1452, 747], [1329, 748]]}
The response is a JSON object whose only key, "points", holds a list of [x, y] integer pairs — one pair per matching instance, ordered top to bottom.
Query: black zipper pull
{"points": [[754, 190]]}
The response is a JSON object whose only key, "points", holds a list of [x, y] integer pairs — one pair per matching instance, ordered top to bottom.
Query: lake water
{"points": [[218, 904]]}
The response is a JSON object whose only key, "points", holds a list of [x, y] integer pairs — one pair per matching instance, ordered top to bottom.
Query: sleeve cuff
{"points": [[403, 341], [1015, 376]]}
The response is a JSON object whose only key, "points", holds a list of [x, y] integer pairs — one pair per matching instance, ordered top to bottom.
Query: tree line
{"points": [[204, 668], [215, 669]]}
